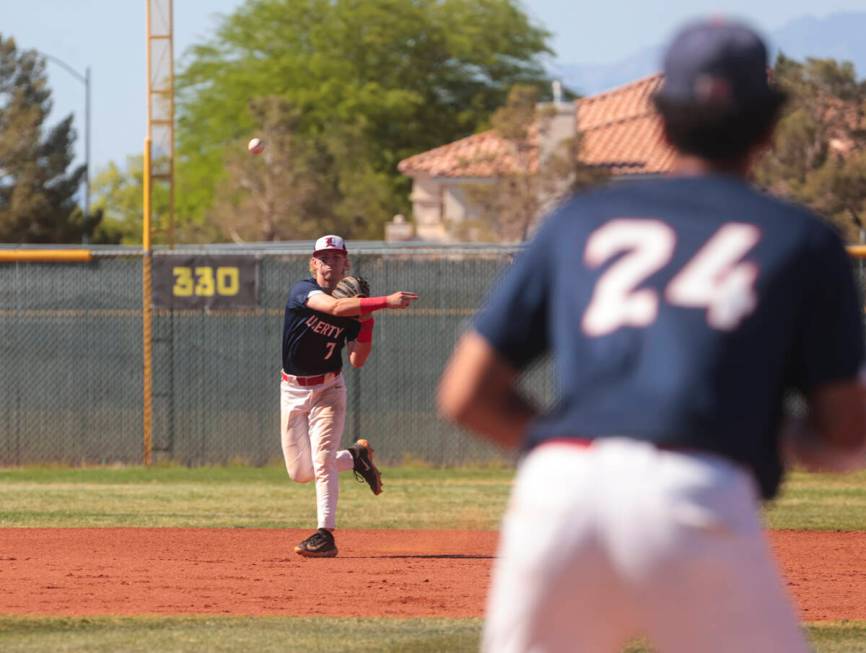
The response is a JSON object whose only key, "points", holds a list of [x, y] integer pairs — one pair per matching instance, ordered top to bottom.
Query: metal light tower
{"points": [[160, 105], [158, 167]]}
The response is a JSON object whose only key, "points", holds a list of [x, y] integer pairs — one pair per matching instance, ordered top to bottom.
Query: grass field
{"points": [[245, 497], [415, 497], [821, 502], [281, 635]]}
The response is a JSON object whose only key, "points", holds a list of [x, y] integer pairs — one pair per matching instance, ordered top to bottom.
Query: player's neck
{"points": [[688, 165]]}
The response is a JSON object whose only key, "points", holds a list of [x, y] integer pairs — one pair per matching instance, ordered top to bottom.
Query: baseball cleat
{"points": [[364, 469], [319, 545]]}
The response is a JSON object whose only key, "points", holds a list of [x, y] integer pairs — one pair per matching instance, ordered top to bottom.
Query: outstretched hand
{"points": [[401, 299]]}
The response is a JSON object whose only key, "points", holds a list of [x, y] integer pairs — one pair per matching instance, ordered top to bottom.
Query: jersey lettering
{"points": [[715, 278], [615, 303], [323, 328], [313, 342], [329, 349]]}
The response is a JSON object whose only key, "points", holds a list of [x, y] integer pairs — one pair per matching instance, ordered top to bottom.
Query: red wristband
{"points": [[370, 304], [366, 332]]}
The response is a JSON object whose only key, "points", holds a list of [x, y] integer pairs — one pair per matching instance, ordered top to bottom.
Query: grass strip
{"points": [[237, 496], [229, 634], [281, 634]]}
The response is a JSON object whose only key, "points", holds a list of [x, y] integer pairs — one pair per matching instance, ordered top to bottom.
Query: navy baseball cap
{"points": [[718, 63]]}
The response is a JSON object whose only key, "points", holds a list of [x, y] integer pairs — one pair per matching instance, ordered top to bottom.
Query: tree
{"points": [[370, 82], [817, 158], [838, 190], [37, 191], [118, 194], [277, 195], [510, 203]]}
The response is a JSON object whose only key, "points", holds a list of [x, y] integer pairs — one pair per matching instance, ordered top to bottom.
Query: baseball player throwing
{"points": [[678, 311], [316, 327]]}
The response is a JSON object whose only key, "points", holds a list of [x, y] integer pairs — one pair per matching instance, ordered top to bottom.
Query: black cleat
{"points": [[364, 469], [319, 545]]}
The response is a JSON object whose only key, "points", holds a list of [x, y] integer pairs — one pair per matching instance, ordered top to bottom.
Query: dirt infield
{"points": [[168, 571]]}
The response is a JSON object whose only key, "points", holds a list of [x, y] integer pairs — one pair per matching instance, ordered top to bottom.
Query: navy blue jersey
{"points": [[680, 311], [312, 341]]}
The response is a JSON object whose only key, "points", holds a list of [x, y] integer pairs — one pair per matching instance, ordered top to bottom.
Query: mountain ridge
{"points": [[837, 36]]}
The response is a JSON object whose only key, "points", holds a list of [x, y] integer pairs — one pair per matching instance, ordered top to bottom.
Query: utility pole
{"points": [[84, 79]]}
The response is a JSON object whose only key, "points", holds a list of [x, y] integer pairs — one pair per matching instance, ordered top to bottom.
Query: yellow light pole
{"points": [[147, 308]]}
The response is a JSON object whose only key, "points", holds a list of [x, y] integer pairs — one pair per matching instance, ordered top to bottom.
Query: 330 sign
{"points": [[205, 281]]}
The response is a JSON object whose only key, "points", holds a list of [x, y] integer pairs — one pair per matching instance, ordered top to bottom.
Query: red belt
{"points": [[308, 380], [582, 443]]}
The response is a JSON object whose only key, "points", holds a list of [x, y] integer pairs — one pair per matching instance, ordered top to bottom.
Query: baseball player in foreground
{"points": [[679, 311], [323, 314]]}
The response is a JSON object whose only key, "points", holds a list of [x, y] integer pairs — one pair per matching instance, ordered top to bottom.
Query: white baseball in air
{"points": [[256, 146]]}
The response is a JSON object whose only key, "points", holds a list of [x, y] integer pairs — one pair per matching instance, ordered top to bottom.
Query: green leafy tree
{"points": [[368, 83], [817, 158], [37, 188], [837, 189], [118, 194], [278, 195], [509, 204]]}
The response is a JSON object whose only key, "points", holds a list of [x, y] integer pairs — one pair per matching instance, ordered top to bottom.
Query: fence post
{"points": [[147, 309]]}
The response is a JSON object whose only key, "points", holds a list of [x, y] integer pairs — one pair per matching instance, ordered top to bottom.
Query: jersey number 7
{"points": [[715, 279]]}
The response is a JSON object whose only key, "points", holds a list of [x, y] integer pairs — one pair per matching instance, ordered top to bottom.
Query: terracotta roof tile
{"points": [[619, 128], [621, 131], [480, 155]]}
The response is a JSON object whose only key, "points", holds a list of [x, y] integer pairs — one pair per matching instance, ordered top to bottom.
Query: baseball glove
{"points": [[351, 286]]}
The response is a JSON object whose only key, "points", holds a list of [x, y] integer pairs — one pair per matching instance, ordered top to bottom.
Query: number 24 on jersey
{"points": [[715, 279]]}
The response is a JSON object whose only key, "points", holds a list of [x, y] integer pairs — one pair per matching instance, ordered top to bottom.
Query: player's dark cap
{"points": [[716, 63]]}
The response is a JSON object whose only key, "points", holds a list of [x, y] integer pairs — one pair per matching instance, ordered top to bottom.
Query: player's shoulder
{"points": [[701, 194], [597, 195], [616, 197], [579, 205], [796, 214], [808, 229], [308, 284], [301, 291]]}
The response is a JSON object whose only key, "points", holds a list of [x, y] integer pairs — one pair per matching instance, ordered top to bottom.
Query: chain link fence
{"points": [[70, 346], [71, 381], [72, 384]]}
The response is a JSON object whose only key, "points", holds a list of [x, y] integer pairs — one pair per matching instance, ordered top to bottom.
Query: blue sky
{"points": [[109, 36]]}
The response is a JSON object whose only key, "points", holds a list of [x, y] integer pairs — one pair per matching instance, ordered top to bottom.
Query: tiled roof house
{"points": [[619, 131]]}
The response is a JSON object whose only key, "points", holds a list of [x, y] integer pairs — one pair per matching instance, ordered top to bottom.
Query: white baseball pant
{"points": [[311, 427], [619, 539]]}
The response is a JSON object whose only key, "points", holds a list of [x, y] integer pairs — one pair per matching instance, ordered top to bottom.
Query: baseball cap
{"points": [[716, 62], [330, 242]]}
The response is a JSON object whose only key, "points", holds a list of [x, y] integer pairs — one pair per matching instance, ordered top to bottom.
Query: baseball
{"points": [[256, 146]]}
